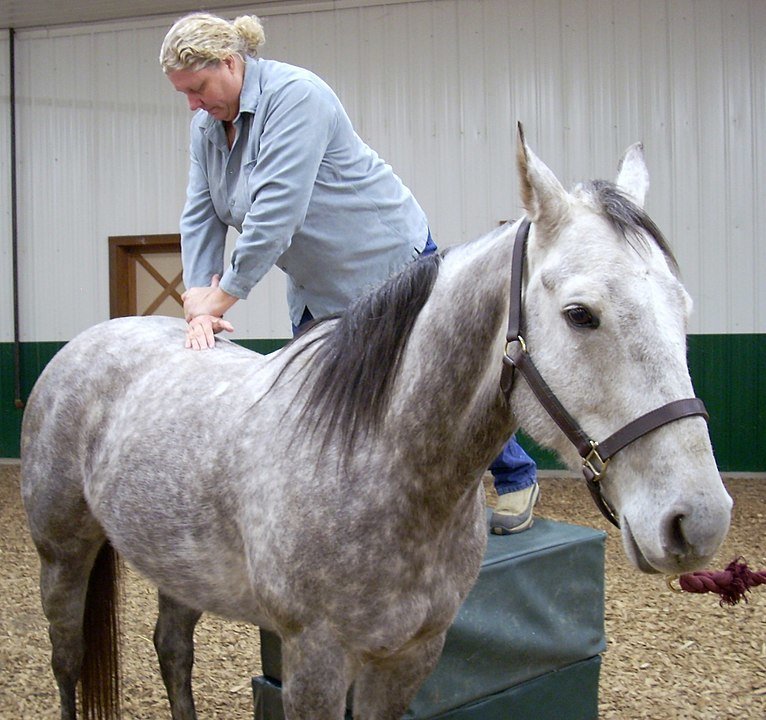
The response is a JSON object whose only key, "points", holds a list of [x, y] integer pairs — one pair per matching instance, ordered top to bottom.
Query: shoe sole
{"points": [[501, 530]]}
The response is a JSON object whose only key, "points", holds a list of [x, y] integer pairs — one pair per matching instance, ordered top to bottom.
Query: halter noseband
{"points": [[595, 456]]}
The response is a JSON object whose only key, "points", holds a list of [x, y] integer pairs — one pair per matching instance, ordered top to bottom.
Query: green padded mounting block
{"points": [[527, 636], [570, 693]]}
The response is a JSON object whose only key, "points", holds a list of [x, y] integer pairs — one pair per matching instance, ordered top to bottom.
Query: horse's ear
{"points": [[632, 175], [543, 196]]}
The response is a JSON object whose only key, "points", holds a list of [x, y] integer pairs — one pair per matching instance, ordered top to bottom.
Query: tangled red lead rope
{"points": [[731, 584]]}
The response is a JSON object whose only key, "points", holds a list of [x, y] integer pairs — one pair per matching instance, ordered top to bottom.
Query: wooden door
{"points": [[145, 276]]}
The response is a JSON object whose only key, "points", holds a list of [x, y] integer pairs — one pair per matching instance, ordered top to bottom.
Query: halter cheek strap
{"points": [[595, 455]]}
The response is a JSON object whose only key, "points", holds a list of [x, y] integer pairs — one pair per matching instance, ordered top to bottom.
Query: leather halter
{"points": [[595, 456]]}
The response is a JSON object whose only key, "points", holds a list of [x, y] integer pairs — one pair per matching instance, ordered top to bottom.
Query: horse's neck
{"points": [[450, 383]]}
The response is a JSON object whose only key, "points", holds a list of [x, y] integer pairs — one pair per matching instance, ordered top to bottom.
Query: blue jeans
{"points": [[307, 318], [512, 469]]}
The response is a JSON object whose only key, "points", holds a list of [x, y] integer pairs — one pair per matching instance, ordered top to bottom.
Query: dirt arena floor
{"points": [[670, 656]]}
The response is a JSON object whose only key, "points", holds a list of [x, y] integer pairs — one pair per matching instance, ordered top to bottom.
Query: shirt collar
{"points": [[251, 86]]}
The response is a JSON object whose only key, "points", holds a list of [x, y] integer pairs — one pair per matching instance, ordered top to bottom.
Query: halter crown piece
{"points": [[595, 455]]}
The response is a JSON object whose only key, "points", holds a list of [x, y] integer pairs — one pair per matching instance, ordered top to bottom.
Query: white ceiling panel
{"points": [[19, 14]]}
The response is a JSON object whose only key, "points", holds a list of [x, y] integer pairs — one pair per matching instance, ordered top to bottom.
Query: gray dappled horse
{"points": [[331, 492]]}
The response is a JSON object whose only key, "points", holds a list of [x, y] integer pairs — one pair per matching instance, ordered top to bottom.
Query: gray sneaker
{"points": [[513, 512]]}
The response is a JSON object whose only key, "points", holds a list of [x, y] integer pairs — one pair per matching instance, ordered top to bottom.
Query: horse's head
{"points": [[606, 318]]}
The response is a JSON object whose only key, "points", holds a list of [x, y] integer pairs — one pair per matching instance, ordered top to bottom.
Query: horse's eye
{"points": [[581, 317]]}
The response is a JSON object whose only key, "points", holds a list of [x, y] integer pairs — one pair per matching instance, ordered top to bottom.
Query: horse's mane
{"points": [[627, 218], [347, 385]]}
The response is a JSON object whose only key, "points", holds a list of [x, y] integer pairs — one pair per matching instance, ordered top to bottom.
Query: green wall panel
{"points": [[262, 346], [34, 357], [728, 371], [729, 374]]}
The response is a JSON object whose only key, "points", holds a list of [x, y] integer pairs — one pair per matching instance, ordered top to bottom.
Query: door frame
{"points": [[125, 252]]}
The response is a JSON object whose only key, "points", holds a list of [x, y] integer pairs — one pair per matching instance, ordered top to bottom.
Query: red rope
{"points": [[731, 584]]}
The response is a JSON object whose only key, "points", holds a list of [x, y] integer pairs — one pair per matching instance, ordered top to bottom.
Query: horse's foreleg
{"points": [[174, 642], [317, 673], [384, 689]]}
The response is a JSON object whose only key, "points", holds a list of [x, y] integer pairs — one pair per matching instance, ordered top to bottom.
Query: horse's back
{"points": [[99, 365], [80, 396]]}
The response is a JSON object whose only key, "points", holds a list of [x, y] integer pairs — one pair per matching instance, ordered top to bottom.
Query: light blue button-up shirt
{"points": [[304, 192]]}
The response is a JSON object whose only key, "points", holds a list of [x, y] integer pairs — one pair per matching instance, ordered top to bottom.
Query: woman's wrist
{"points": [[209, 300], [221, 301]]}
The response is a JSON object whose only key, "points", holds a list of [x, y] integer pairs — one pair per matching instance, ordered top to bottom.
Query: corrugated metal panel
{"points": [[44, 13], [444, 83], [436, 87], [758, 148], [6, 293]]}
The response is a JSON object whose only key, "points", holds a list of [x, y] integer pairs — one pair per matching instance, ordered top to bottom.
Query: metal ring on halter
{"points": [[518, 339], [670, 579]]}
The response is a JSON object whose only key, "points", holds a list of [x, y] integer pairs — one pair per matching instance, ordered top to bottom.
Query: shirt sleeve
{"points": [[299, 124], [203, 234]]}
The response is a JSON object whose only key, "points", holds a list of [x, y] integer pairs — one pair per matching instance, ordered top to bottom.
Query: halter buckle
{"points": [[594, 465]]}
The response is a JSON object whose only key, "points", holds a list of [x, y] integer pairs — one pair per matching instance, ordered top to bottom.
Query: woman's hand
{"points": [[209, 300], [204, 308], [201, 332]]}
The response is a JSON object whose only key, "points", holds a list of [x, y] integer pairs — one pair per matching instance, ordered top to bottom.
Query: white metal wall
{"points": [[436, 87], [6, 292]]}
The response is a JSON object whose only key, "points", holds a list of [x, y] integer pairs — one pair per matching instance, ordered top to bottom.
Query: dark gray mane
{"points": [[627, 218], [351, 373]]}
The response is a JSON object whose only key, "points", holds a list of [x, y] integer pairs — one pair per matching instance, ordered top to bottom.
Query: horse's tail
{"points": [[100, 677]]}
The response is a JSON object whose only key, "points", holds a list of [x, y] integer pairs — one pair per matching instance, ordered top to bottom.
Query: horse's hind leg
{"points": [[63, 587], [63, 599], [174, 642], [384, 689]]}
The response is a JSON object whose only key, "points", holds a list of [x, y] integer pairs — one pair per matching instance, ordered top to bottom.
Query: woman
{"points": [[274, 155]]}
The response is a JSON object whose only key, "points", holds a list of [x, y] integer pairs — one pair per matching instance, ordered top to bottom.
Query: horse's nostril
{"points": [[677, 532], [694, 534], [676, 541]]}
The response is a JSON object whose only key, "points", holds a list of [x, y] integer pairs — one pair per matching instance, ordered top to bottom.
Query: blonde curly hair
{"points": [[201, 39]]}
